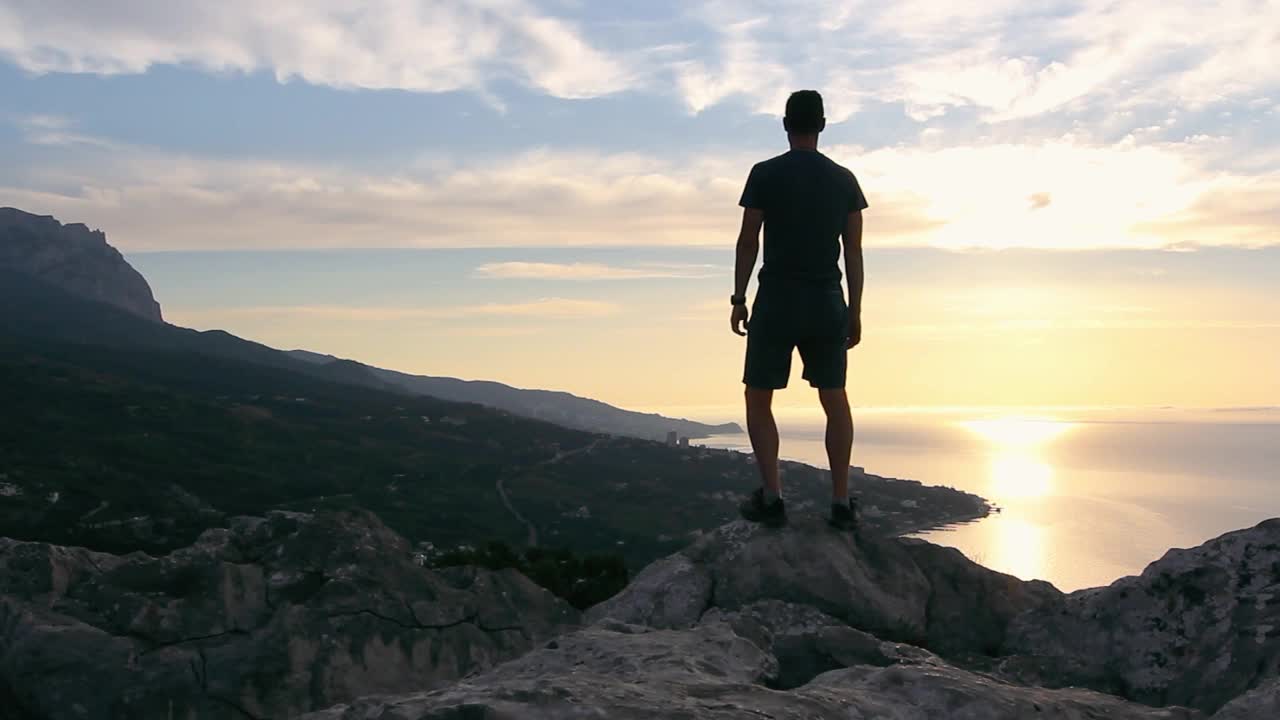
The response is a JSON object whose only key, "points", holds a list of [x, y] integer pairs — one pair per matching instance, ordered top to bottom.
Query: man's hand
{"points": [[738, 319], [855, 329]]}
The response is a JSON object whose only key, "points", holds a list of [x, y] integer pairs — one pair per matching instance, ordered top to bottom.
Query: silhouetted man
{"points": [[806, 203]]}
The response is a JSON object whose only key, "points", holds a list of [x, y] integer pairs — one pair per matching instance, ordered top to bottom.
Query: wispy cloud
{"points": [[434, 46], [1005, 59], [43, 122], [55, 130], [1066, 192], [1123, 195], [154, 200], [590, 271], [542, 308], [547, 308]]}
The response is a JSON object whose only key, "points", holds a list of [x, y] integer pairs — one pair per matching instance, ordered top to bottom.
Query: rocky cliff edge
{"points": [[74, 258], [334, 616]]}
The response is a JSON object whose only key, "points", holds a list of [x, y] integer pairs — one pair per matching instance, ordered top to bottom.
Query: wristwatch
{"points": [[737, 299]]}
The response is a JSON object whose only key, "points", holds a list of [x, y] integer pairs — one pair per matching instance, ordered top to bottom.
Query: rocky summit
{"points": [[75, 259], [269, 618], [331, 618]]}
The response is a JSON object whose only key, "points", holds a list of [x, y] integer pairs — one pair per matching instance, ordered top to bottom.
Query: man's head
{"points": [[804, 113]]}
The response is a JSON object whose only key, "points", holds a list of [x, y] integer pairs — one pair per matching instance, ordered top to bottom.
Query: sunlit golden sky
{"points": [[1070, 205]]}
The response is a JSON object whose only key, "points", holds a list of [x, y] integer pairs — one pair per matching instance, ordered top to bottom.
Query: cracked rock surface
{"points": [[904, 590], [270, 618], [329, 618], [1198, 627], [894, 628], [627, 672]]}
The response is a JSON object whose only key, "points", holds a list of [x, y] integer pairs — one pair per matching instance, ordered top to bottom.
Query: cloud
{"points": [[433, 46], [1008, 60], [742, 69], [43, 122], [55, 130], [1130, 194], [1121, 195], [154, 200], [589, 271], [552, 308], [560, 308]]}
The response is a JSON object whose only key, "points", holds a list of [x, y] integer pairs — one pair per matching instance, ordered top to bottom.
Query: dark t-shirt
{"points": [[806, 198]]}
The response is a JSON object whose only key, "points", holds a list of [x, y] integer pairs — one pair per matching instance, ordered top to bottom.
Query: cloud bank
{"points": [[435, 46], [1004, 59], [1038, 121], [1062, 193]]}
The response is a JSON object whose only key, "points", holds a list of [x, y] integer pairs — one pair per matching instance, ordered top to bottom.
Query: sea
{"points": [[1084, 495]]}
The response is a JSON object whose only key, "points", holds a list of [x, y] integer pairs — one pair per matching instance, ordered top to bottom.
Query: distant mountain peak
{"points": [[74, 258]]}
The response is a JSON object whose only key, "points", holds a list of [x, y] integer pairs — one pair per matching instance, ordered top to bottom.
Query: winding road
{"points": [[559, 456]]}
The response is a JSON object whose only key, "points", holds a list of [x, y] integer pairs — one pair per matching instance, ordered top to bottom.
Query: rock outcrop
{"points": [[74, 258], [904, 590], [330, 617], [267, 619], [808, 623], [1198, 627], [627, 672], [1262, 703]]}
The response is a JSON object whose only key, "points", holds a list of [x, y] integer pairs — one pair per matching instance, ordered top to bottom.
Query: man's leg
{"points": [[835, 403], [763, 431]]}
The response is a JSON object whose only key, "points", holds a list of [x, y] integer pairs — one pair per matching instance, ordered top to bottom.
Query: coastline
{"points": [[891, 506]]}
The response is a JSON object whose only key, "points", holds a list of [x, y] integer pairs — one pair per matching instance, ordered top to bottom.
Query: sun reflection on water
{"points": [[1018, 469], [1019, 477], [1020, 548]]}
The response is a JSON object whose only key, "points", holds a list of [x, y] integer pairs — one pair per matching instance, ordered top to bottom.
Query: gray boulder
{"points": [[40, 572], [872, 585], [895, 589], [671, 593], [970, 607], [267, 619], [1198, 627], [808, 642], [623, 672], [1262, 703]]}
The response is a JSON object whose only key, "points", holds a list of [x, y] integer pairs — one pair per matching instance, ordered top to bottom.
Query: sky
{"points": [[1072, 202]]}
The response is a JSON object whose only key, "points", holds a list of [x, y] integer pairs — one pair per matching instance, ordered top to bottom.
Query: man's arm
{"points": [[748, 250], [854, 274]]}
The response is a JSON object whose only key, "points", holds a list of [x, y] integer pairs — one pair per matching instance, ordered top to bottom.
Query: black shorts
{"points": [[811, 317]]}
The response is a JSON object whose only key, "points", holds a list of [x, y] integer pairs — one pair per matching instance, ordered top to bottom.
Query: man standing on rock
{"points": [[806, 204]]}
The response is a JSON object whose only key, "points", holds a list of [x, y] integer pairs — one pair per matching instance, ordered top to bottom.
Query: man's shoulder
{"points": [[771, 163], [837, 166], [845, 175]]}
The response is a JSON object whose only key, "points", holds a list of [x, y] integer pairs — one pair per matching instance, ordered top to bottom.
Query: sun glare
{"points": [[1010, 433], [1017, 470], [1016, 475], [1020, 549]]}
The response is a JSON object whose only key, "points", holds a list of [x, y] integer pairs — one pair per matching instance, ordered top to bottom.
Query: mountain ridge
{"points": [[38, 254], [571, 410]]}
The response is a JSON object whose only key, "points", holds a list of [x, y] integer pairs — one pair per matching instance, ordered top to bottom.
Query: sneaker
{"points": [[770, 514], [844, 516]]}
